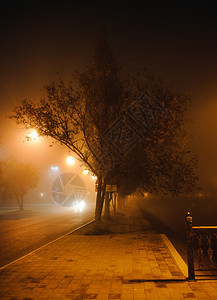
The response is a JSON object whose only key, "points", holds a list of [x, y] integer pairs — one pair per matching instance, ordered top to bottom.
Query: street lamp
{"points": [[32, 136], [29, 138], [70, 160], [54, 168]]}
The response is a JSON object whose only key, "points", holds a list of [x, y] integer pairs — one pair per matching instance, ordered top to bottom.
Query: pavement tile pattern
{"points": [[136, 265]]}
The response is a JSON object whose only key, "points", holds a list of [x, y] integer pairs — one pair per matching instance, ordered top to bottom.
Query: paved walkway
{"points": [[133, 265]]}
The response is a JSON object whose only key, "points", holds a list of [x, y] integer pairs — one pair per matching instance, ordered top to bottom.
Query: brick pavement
{"points": [[133, 265]]}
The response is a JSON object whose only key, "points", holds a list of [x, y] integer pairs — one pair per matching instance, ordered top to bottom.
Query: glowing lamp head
{"points": [[32, 136], [70, 160], [54, 168], [85, 172]]}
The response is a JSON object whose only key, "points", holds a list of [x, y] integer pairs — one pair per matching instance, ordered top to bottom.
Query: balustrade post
{"points": [[190, 253]]}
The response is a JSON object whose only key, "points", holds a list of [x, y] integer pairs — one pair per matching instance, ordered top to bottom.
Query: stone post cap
{"points": [[188, 218]]}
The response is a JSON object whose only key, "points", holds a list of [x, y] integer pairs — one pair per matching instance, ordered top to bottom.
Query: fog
{"points": [[176, 45], [44, 155], [202, 203], [171, 210]]}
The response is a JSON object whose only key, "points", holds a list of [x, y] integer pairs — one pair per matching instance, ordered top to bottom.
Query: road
{"points": [[21, 233]]}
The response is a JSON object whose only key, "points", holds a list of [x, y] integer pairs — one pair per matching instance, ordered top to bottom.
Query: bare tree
{"points": [[78, 117], [126, 133]]}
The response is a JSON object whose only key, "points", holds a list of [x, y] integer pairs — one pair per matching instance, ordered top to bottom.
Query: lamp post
{"points": [[188, 221]]}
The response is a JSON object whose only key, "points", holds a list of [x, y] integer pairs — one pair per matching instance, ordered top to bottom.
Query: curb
{"points": [[178, 259]]}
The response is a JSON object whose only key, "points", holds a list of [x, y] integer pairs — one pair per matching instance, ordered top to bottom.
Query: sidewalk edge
{"points": [[178, 259]]}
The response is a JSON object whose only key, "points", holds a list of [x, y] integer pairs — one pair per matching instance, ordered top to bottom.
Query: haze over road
{"points": [[23, 232]]}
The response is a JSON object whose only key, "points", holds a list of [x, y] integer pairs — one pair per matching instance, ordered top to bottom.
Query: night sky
{"points": [[178, 44]]}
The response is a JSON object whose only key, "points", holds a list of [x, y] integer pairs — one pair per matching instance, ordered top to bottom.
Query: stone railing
{"points": [[201, 249]]}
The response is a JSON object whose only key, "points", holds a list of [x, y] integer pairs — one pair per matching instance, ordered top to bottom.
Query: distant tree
{"points": [[18, 178]]}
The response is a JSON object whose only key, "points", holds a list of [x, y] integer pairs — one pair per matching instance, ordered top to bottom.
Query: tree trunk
{"points": [[103, 194], [113, 197], [100, 199], [119, 201], [21, 202], [107, 206]]}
